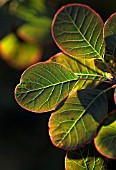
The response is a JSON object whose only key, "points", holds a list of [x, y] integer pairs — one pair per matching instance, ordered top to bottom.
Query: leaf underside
{"points": [[78, 31], [44, 85], [76, 122]]}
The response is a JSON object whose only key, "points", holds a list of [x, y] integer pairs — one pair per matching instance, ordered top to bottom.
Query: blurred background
{"points": [[25, 39]]}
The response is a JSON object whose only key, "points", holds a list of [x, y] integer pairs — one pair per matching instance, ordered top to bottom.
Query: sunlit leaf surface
{"points": [[78, 31], [19, 54], [89, 71], [44, 85], [76, 122], [105, 141], [86, 158]]}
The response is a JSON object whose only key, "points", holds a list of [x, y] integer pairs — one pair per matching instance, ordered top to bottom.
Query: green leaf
{"points": [[110, 25], [78, 31], [110, 33], [90, 71], [44, 85], [76, 122], [105, 141], [86, 158]]}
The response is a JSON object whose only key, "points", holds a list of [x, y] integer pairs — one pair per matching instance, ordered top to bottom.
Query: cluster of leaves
{"points": [[67, 84]]}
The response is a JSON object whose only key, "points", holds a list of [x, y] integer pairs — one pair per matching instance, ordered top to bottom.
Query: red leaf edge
{"points": [[63, 7], [105, 24], [109, 157]]}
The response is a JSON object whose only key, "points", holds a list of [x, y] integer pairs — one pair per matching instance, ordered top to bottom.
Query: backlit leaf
{"points": [[110, 25], [78, 31], [90, 71], [44, 85], [76, 122], [105, 141], [86, 158]]}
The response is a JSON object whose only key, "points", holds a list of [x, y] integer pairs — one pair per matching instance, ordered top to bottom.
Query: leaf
{"points": [[110, 25], [78, 31], [110, 33], [19, 54], [87, 69], [43, 86], [76, 122], [105, 141], [86, 158]]}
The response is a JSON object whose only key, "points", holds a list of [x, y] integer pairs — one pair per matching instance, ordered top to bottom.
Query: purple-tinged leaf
{"points": [[78, 31], [44, 85]]}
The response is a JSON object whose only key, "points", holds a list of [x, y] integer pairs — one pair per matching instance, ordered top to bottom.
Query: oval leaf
{"points": [[78, 31], [44, 85], [76, 122], [105, 141], [85, 158]]}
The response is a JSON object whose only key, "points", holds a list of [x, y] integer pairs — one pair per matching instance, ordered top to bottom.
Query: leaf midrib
{"points": [[83, 35], [86, 74], [56, 84], [51, 85], [85, 110]]}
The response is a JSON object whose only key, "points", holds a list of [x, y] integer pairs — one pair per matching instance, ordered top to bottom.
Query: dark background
{"points": [[24, 139]]}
